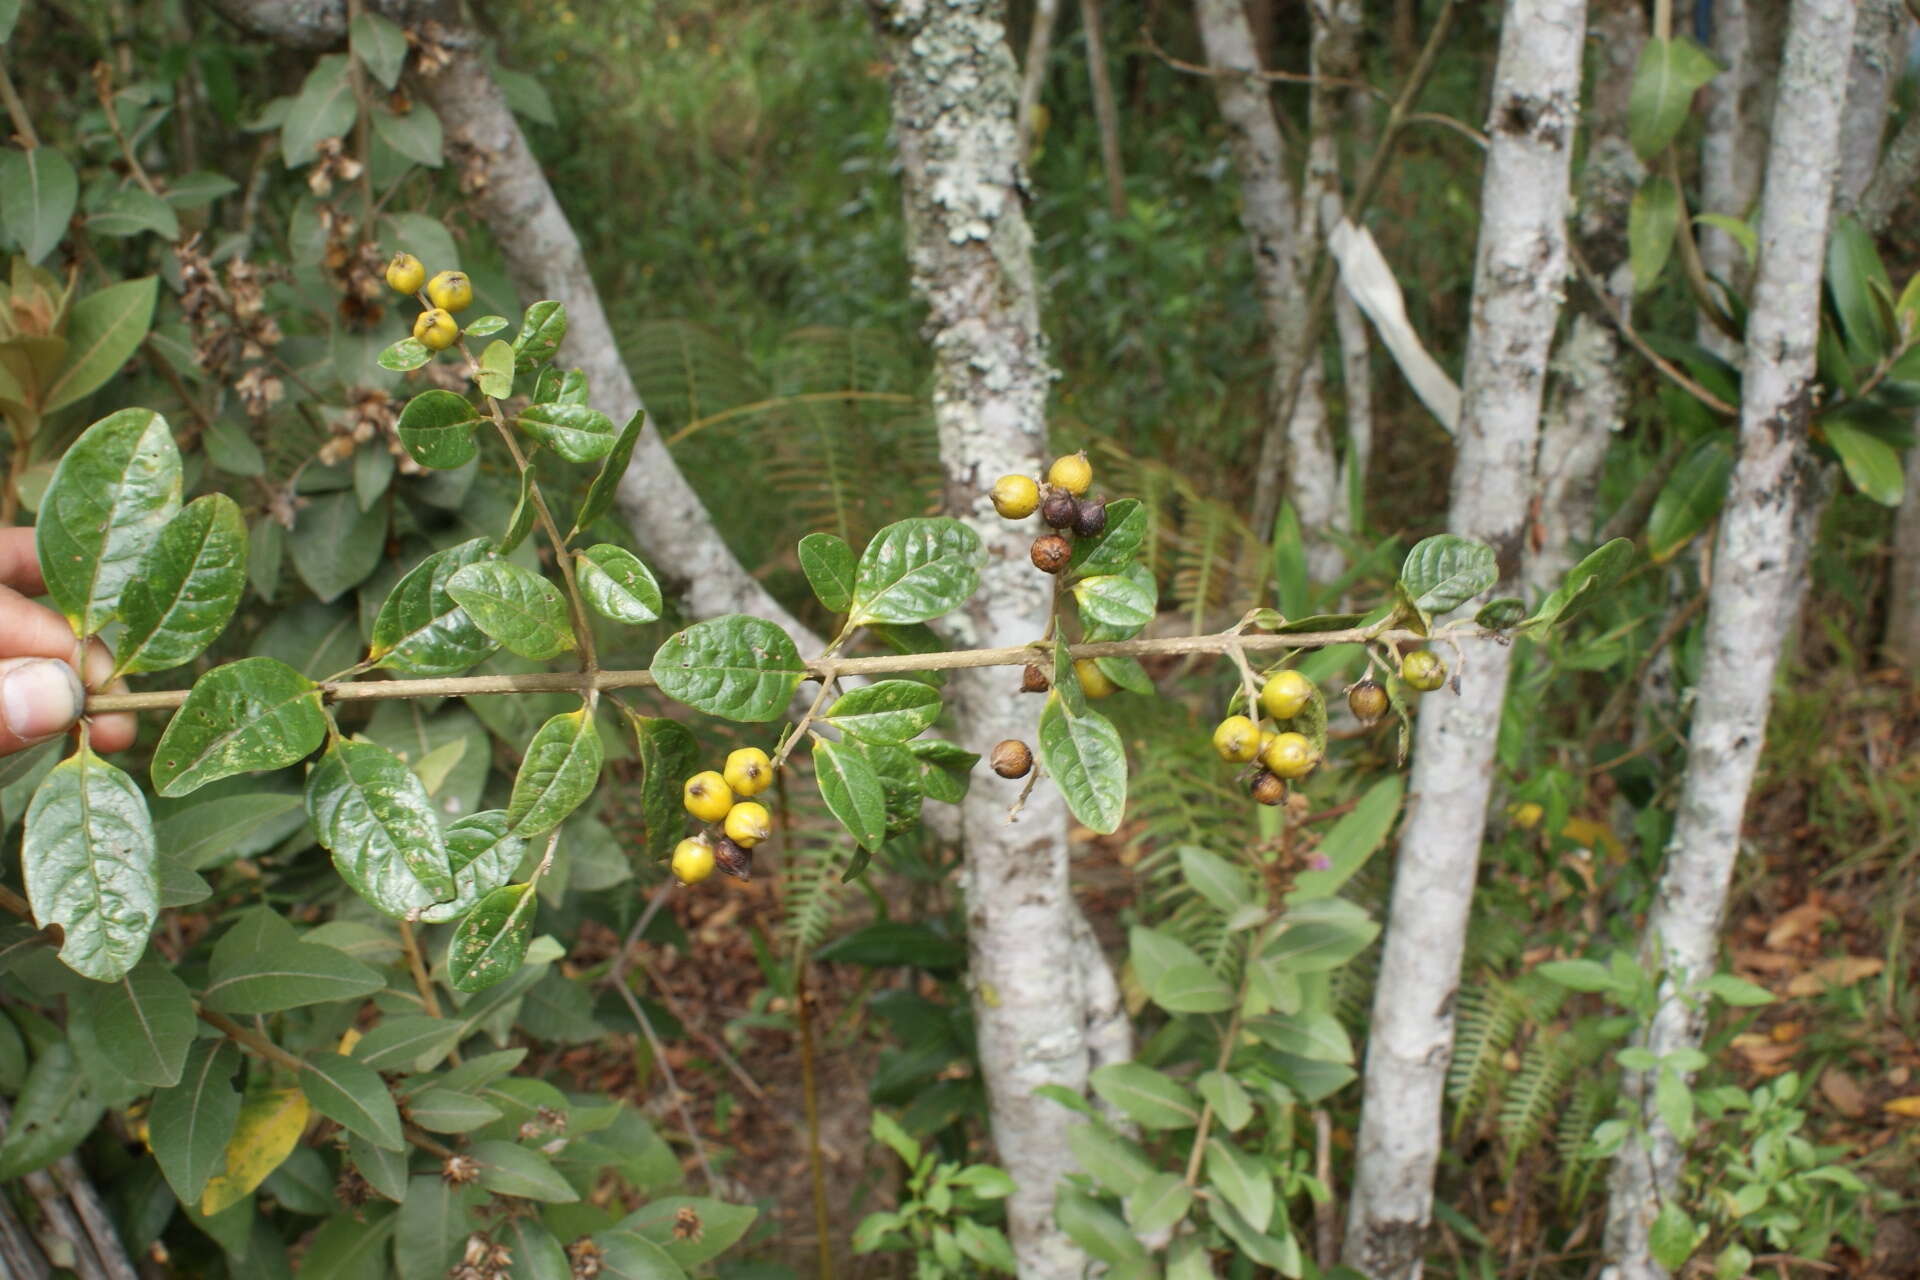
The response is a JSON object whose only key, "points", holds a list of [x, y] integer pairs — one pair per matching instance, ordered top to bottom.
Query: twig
{"points": [[1274, 77], [103, 86], [16, 109], [1690, 262], [1632, 335], [1624, 691], [417, 965], [250, 1040], [673, 1086], [810, 1101]]}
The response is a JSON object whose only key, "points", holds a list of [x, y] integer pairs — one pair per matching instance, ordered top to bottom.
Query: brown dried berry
{"points": [[1059, 510], [1092, 517], [1051, 552], [1034, 680], [1367, 700], [1012, 759], [1268, 789], [733, 859]]}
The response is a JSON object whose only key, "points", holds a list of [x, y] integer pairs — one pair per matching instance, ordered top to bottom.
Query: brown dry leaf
{"points": [[1799, 922], [1765, 961], [1835, 971], [1786, 1032], [1762, 1054], [1844, 1092], [1908, 1106]]}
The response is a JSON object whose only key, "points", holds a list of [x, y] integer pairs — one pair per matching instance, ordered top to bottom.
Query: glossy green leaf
{"points": [[381, 46], [1669, 74], [325, 108], [38, 191], [1652, 219], [1854, 275], [484, 327], [104, 329], [541, 332], [405, 355], [495, 377], [436, 429], [575, 432], [1871, 463], [606, 483], [113, 492], [1691, 498], [520, 523], [336, 546], [1115, 547], [828, 562], [917, 569], [1445, 571], [1586, 582], [617, 585], [188, 587], [1115, 600], [517, 607], [1499, 614], [421, 630], [736, 667], [886, 711], [257, 713], [669, 754], [1086, 758], [561, 767], [946, 768], [899, 776], [852, 791], [375, 817], [484, 852], [89, 861], [491, 942], [261, 965], [143, 1022], [353, 1096], [1151, 1098], [56, 1108], [189, 1124], [508, 1169], [1094, 1227]]}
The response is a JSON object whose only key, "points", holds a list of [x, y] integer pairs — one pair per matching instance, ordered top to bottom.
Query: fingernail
{"points": [[40, 698]]}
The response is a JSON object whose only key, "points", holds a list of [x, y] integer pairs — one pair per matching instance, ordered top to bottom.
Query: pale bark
{"points": [[1879, 49], [1033, 72], [954, 96], [1106, 111], [1733, 148], [1893, 180], [543, 256], [1519, 270], [1296, 457], [1765, 517]]}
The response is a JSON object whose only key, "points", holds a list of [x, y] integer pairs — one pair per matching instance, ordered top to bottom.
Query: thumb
{"points": [[39, 697]]}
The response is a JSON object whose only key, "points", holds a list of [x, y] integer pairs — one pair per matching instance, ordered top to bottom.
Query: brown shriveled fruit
{"points": [[1051, 552], [1034, 680], [1367, 700], [1012, 759], [1267, 789], [732, 859]]}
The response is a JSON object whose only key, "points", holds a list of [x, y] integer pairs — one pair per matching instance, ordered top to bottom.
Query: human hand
{"points": [[40, 693]]}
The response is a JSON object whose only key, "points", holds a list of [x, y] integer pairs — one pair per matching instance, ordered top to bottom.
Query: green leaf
{"points": [[380, 45], [1669, 74], [325, 108], [418, 137], [38, 191], [133, 212], [1652, 219], [1738, 229], [1853, 272], [485, 327], [103, 331], [541, 332], [405, 356], [495, 377], [436, 429], [575, 432], [230, 447], [1871, 463], [373, 471], [606, 484], [113, 492], [1691, 497], [520, 523], [337, 546], [1114, 548], [827, 561], [916, 569], [1443, 572], [1586, 582], [618, 585], [188, 587], [1115, 600], [517, 607], [1500, 614], [421, 630], [736, 667], [886, 711], [257, 713], [668, 753], [1084, 754], [561, 767], [946, 768], [899, 776], [852, 791], [372, 813], [1354, 839], [88, 859], [1215, 879], [1316, 936], [491, 942], [896, 942], [1154, 954], [261, 965], [1577, 975], [1191, 988], [1736, 991], [143, 1023], [1307, 1034], [408, 1043], [353, 1096], [1228, 1097], [1152, 1099], [1674, 1101], [55, 1110], [446, 1111], [189, 1124], [1116, 1163], [508, 1169], [385, 1171], [1242, 1181], [1158, 1203], [721, 1225], [432, 1226], [1094, 1227], [1671, 1236], [351, 1245], [1282, 1254]]}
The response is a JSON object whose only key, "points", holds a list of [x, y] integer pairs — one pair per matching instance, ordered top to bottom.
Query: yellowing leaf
{"points": [[1526, 815], [1591, 834], [1836, 971], [1908, 1106], [270, 1124]]}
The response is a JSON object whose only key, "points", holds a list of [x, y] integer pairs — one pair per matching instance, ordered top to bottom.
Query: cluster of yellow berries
{"points": [[447, 292], [1062, 504], [1281, 756], [721, 797]]}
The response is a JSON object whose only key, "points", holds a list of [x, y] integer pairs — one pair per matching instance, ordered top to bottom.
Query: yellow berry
{"points": [[405, 274], [450, 291], [436, 330], [1072, 472], [1015, 497], [1423, 670], [1093, 681], [1286, 695], [1237, 739], [1289, 755], [748, 771], [707, 796], [748, 823], [693, 860]]}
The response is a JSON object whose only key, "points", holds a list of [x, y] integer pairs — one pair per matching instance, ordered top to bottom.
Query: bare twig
{"points": [[1620, 321]]}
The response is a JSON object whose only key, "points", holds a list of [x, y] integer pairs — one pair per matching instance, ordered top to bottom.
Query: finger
{"points": [[20, 562], [29, 630], [39, 699], [115, 730]]}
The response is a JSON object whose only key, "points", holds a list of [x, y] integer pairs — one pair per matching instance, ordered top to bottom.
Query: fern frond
{"points": [[685, 372], [818, 852], [1487, 1018], [1532, 1098], [1593, 1098]]}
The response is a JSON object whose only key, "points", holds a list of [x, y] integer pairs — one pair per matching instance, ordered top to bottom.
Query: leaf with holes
{"points": [[113, 492], [916, 569], [618, 585], [187, 588], [516, 606], [421, 630], [736, 667], [257, 713], [374, 815], [89, 861], [490, 943]]}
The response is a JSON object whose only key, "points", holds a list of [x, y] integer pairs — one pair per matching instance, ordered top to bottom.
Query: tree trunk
{"points": [[1879, 49], [1033, 73], [954, 94], [1105, 110], [1733, 149], [543, 256], [1519, 268], [1299, 452], [1765, 516]]}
